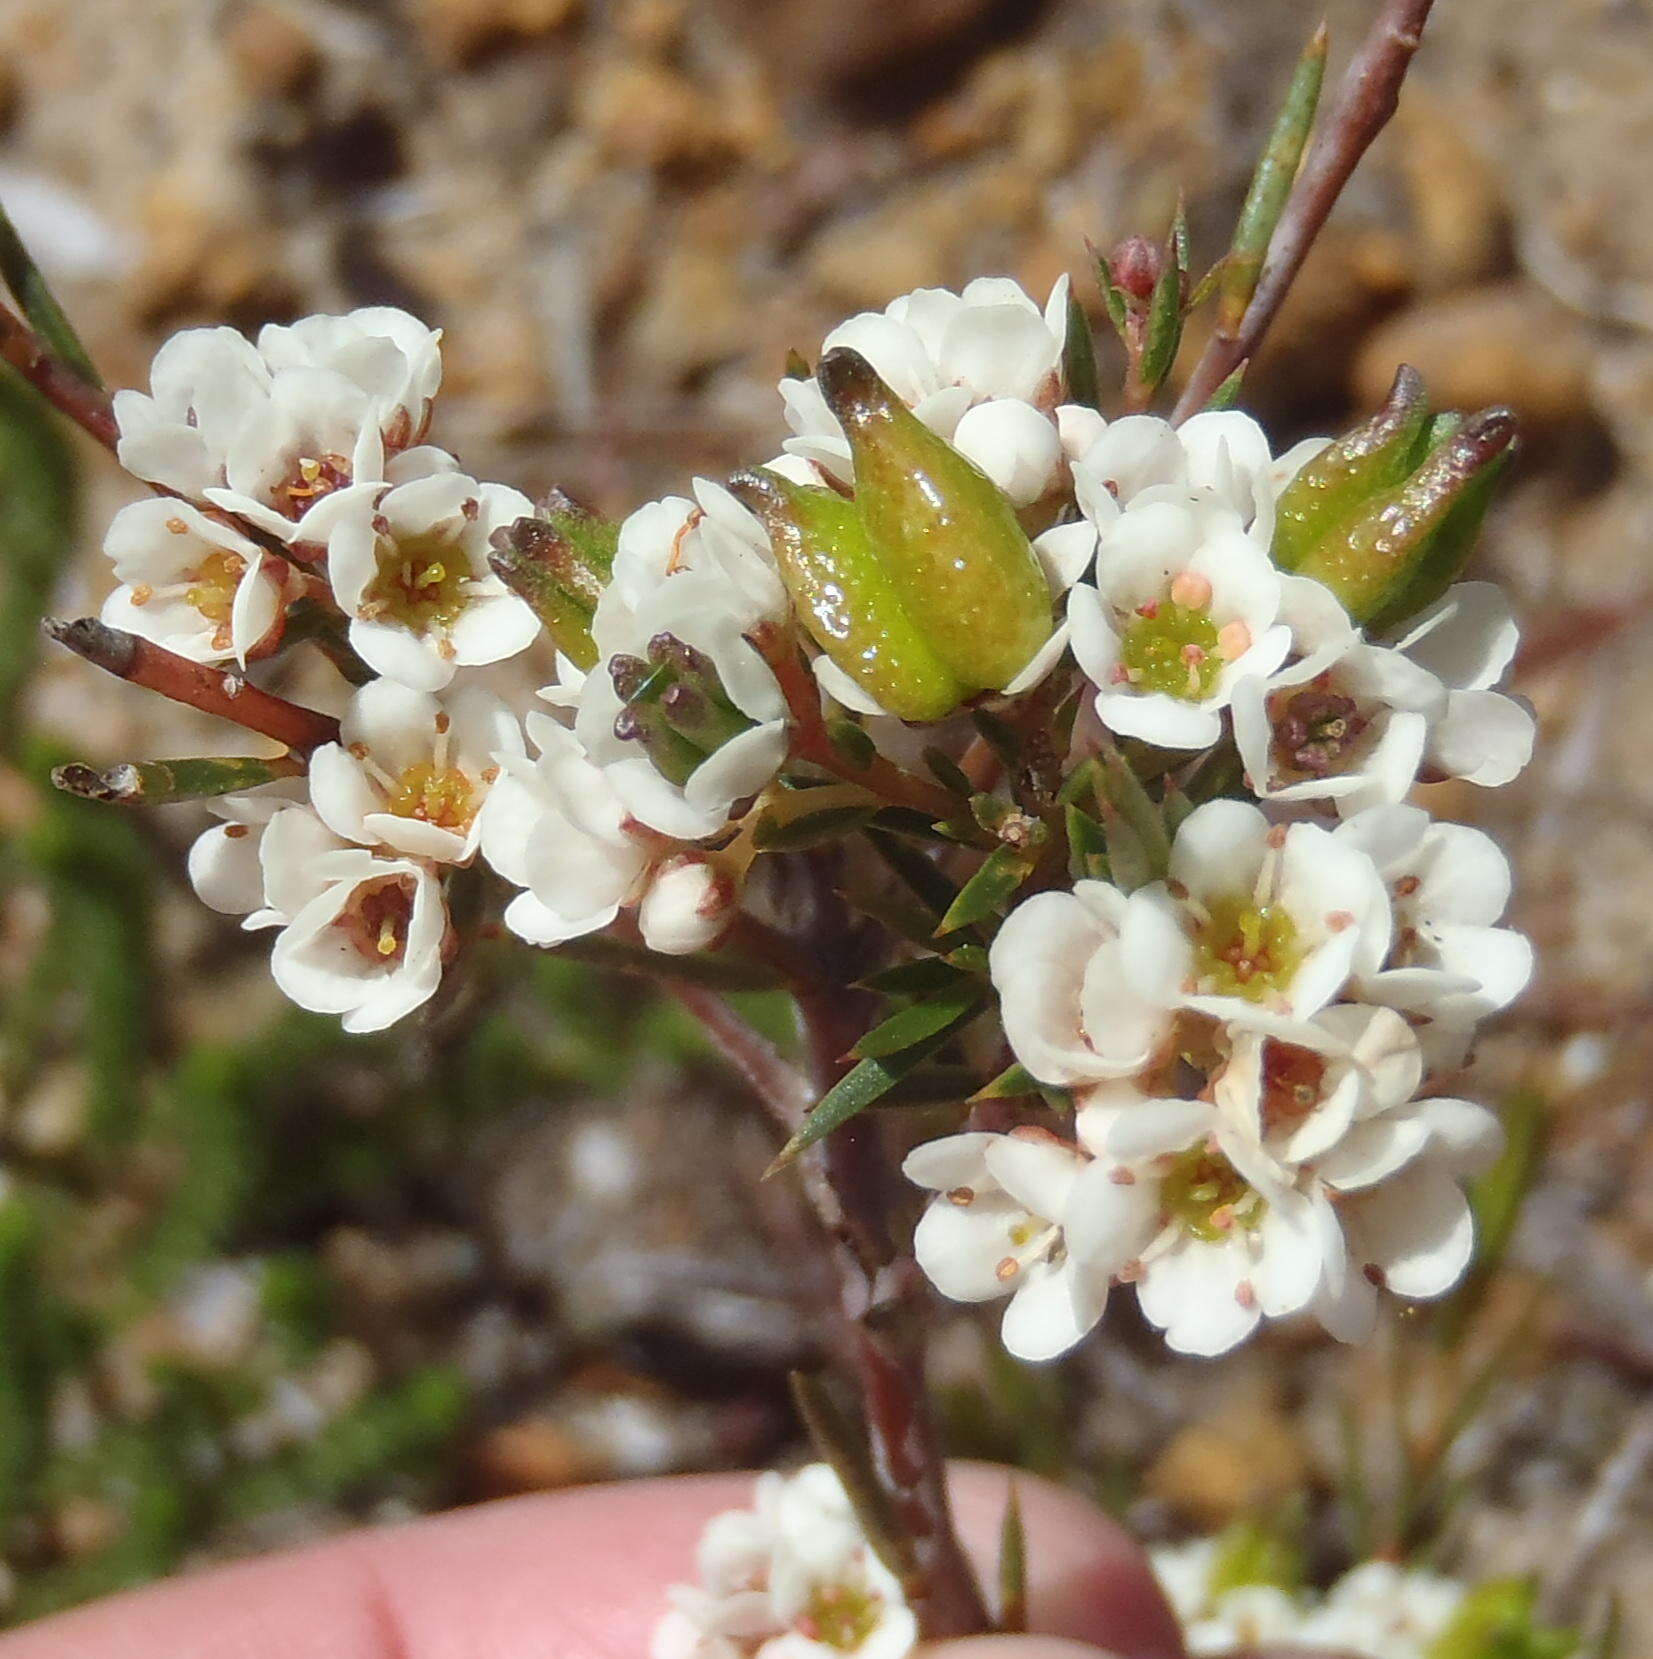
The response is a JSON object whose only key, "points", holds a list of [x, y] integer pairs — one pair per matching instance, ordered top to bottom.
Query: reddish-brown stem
{"points": [[1368, 97], [87, 406], [211, 690]]}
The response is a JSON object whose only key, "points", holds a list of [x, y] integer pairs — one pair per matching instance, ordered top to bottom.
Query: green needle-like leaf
{"points": [[1271, 185], [44, 313], [1079, 357], [163, 782], [990, 888], [942, 1013], [1012, 1567]]}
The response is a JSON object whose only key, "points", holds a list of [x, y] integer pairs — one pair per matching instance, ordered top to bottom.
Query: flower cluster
{"points": [[1206, 678], [793, 1577], [1376, 1610]]}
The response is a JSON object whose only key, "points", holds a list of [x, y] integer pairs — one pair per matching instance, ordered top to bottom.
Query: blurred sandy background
{"points": [[624, 212]]}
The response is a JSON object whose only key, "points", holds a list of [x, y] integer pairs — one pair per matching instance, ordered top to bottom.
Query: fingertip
{"points": [[1014, 1647]]}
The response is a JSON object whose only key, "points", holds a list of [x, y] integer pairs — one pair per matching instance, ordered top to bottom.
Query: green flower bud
{"points": [[1333, 488], [947, 536], [1371, 561], [559, 562], [846, 598], [676, 709]]}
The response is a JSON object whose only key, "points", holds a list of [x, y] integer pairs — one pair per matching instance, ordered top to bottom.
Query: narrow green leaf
{"points": [[1271, 184], [1113, 296], [1165, 310], [45, 315], [1079, 357], [1228, 394], [850, 739], [1003, 739], [947, 772], [163, 782], [1123, 789], [810, 829], [1087, 847], [915, 870], [989, 889], [915, 979], [945, 1011], [1013, 1083], [930, 1086], [852, 1094], [843, 1443], [1012, 1566]]}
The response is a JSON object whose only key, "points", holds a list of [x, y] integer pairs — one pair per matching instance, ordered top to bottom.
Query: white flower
{"points": [[393, 357], [981, 368], [204, 385], [268, 431], [1218, 459], [409, 565], [190, 583], [690, 584], [1185, 605], [1354, 722], [411, 769], [555, 827], [225, 867], [1257, 923], [368, 946], [1448, 961], [1068, 1002], [1334, 1120], [1028, 1216], [791, 1578], [1381, 1611]]}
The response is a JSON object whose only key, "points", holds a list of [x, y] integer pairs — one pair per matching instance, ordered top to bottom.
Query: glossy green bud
{"points": [[1331, 489], [948, 537], [559, 562], [1370, 563], [846, 598]]}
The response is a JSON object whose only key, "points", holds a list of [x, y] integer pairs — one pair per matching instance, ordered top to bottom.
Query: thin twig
{"points": [[1368, 97], [88, 406], [211, 690], [778, 1084], [1601, 1517]]}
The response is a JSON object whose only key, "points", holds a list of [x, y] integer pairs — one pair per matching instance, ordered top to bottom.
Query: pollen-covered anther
{"points": [[1191, 590], [1233, 641], [1339, 921], [1122, 1177], [962, 1196], [1007, 1269], [1245, 1293]]}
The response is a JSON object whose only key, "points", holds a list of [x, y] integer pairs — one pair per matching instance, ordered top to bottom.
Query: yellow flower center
{"points": [[419, 583], [212, 585], [1172, 647], [435, 795], [1244, 949], [1205, 1195], [840, 1616]]}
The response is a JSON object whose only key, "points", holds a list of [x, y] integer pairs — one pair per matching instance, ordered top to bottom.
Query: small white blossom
{"points": [[981, 368], [269, 431], [1218, 459], [409, 566], [694, 580], [191, 583], [1185, 604], [1354, 722], [411, 769], [555, 827], [225, 867], [1257, 924], [1448, 961], [1069, 1003], [1027, 1216], [791, 1578], [1381, 1611]]}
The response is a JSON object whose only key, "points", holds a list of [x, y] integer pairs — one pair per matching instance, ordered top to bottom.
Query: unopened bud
{"points": [[1135, 266], [946, 536], [1372, 563], [559, 565], [845, 597], [687, 906]]}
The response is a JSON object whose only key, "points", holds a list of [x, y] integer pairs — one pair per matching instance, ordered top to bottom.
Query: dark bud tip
{"points": [[1135, 267], [851, 385], [668, 648], [628, 675], [629, 726]]}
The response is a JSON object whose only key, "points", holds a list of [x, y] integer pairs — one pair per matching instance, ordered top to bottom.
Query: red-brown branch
{"points": [[1366, 100], [89, 407], [212, 690]]}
